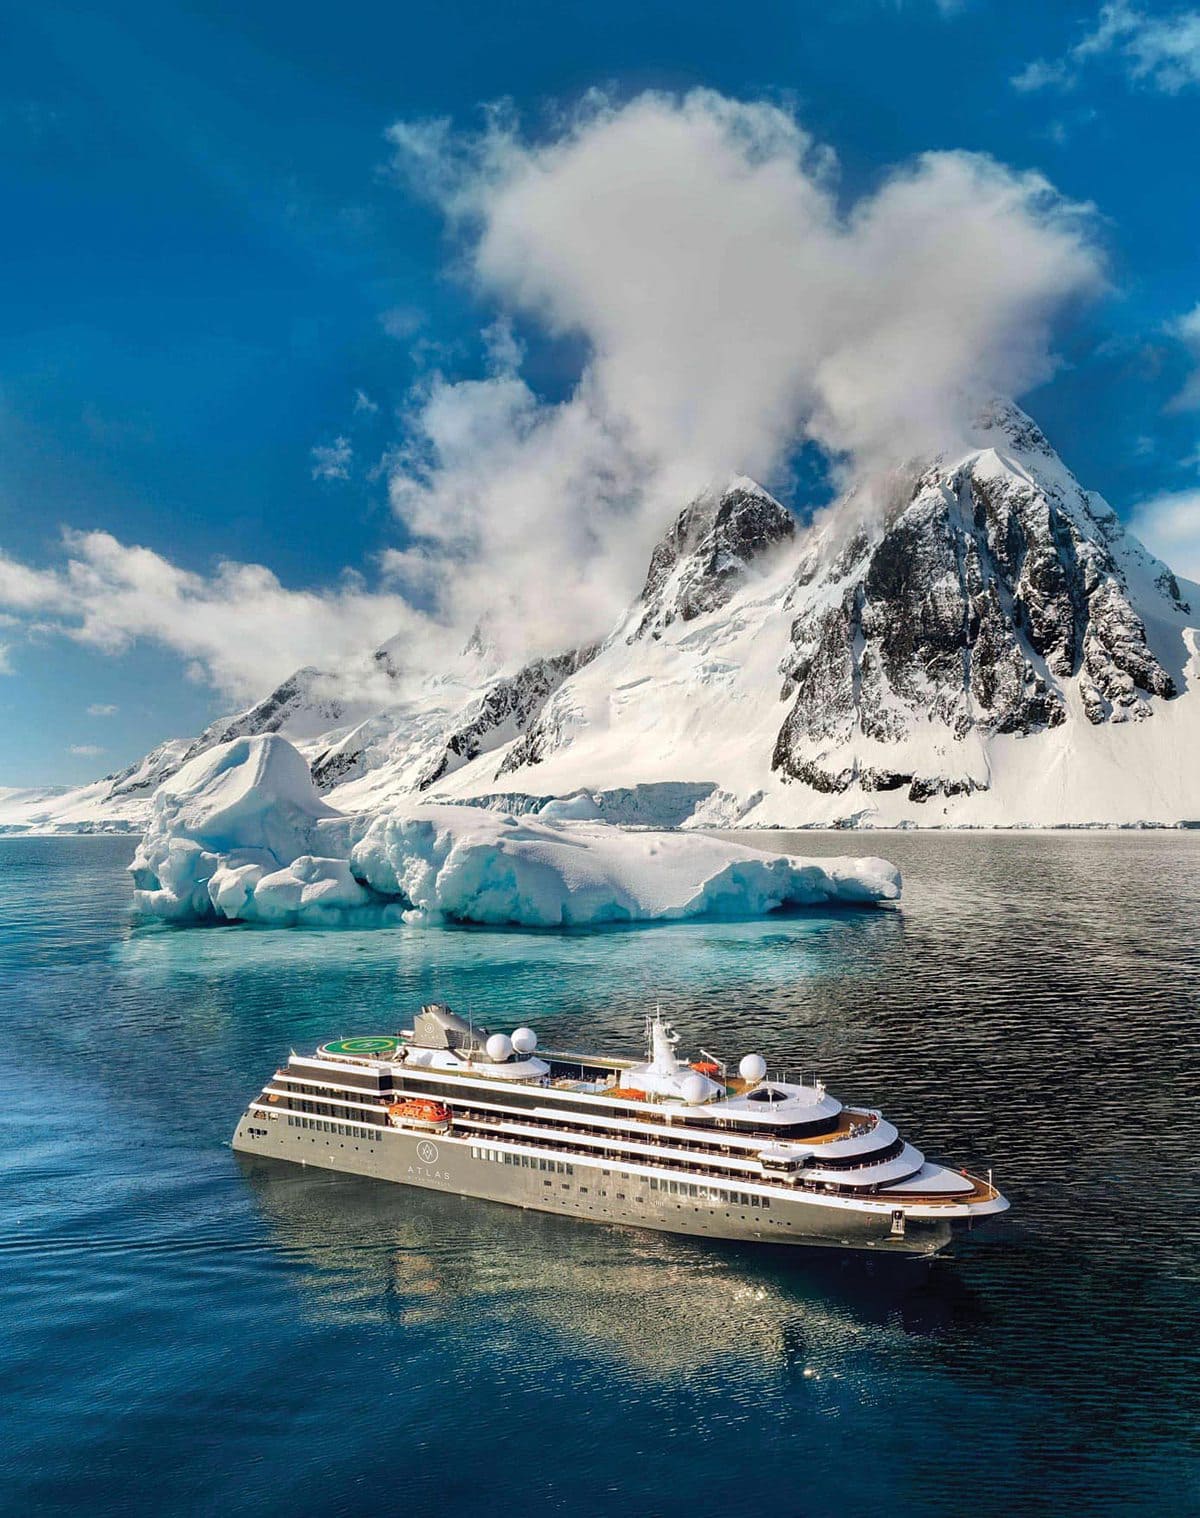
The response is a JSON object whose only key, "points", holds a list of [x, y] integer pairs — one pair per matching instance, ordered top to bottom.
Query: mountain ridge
{"points": [[993, 648]]}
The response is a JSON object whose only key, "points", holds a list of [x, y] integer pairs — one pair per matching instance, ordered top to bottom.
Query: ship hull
{"points": [[597, 1190]]}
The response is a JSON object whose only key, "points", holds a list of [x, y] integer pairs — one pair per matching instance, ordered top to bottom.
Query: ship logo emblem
{"points": [[427, 1153]]}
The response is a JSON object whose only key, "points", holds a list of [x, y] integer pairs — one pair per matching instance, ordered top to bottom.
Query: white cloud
{"points": [[1161, 51], [1042, 74], [730, 306], [402, 322], [1187, 330], [363, 404], [332, 461], [1169, 525], [241, 629], [6, 667], [102, 709], [86, 750]]}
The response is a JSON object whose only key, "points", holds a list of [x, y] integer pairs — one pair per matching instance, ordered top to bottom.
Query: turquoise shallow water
{"points": [[181, 1332]]}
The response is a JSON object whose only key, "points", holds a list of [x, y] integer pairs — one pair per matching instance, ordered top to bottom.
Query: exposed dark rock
{"points": [[704, 556], [968, 608], [505, 711], [883, 780], [925, 788]]}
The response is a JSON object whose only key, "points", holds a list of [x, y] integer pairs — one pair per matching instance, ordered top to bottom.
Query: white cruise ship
{"points": [[662, 1142]]}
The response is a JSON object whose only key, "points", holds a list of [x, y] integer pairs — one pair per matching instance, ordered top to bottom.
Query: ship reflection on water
{"points": [[659, 1304]]}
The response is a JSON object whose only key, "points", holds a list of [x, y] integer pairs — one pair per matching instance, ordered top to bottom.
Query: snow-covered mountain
{"points": [[989, 647]]}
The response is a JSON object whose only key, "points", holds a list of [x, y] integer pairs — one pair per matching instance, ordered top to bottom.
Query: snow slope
{"points": [[988, 647], [240, 833]]}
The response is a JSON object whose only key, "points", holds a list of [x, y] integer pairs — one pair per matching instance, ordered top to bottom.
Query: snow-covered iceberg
{"points": [[240, 834]]}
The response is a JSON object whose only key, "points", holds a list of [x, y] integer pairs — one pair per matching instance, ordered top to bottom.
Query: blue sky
{"points": [[219, 296]]}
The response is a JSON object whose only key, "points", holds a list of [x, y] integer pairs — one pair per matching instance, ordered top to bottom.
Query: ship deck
{"points": [[981, 1191]]}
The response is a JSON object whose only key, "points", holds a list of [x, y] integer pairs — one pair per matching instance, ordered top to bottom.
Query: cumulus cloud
{"points": [[1162, 51], [729, 304], [731, 307], [332, 461], [1169, 525], [242, 629]]}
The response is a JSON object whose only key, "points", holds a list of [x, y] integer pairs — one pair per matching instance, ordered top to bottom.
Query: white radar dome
{"points": [[524, 1040], [499, 1046], [752, 1068], [694, 1089]]}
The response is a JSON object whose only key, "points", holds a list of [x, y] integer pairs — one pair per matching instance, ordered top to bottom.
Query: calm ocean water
{"points": [[181, 1332]]}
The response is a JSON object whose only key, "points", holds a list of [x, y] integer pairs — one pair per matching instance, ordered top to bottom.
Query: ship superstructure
{"points": [[663, 1142]]}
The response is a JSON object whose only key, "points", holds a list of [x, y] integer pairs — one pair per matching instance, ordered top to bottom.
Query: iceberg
{"points": [[240, 834]]}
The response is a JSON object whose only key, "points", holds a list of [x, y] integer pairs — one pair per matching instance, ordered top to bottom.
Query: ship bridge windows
{"points": [[766, 1094], [858, 1161]]}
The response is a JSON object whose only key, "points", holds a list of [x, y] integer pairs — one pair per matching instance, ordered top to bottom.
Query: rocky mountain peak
{"points": [[1002, 424], [707, 551], [977, 608]]}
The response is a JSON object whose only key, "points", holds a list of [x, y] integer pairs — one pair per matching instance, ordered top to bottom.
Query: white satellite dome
{"points": [[524, 1040], [499, 1047], [752, 1068], [694, 1089]]}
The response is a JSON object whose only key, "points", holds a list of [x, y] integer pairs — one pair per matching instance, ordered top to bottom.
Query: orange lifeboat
{"points": [[706, 1067], [627, 1094], [418, 1112]]}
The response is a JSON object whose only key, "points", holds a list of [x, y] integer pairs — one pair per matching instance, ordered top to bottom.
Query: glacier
{"points": [[240, 834]]}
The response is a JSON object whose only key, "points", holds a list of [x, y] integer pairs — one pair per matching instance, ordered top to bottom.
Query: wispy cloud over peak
{"points": [[730, 307]]}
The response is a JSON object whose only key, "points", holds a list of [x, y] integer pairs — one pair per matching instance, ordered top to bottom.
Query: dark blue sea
{"points": [[183, 1332]]}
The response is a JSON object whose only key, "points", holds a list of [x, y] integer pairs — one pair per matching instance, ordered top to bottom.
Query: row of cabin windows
{"points": [[327, 1109], [320, 1126], [521, 1161], [690, 1161], [708, 1193]]}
